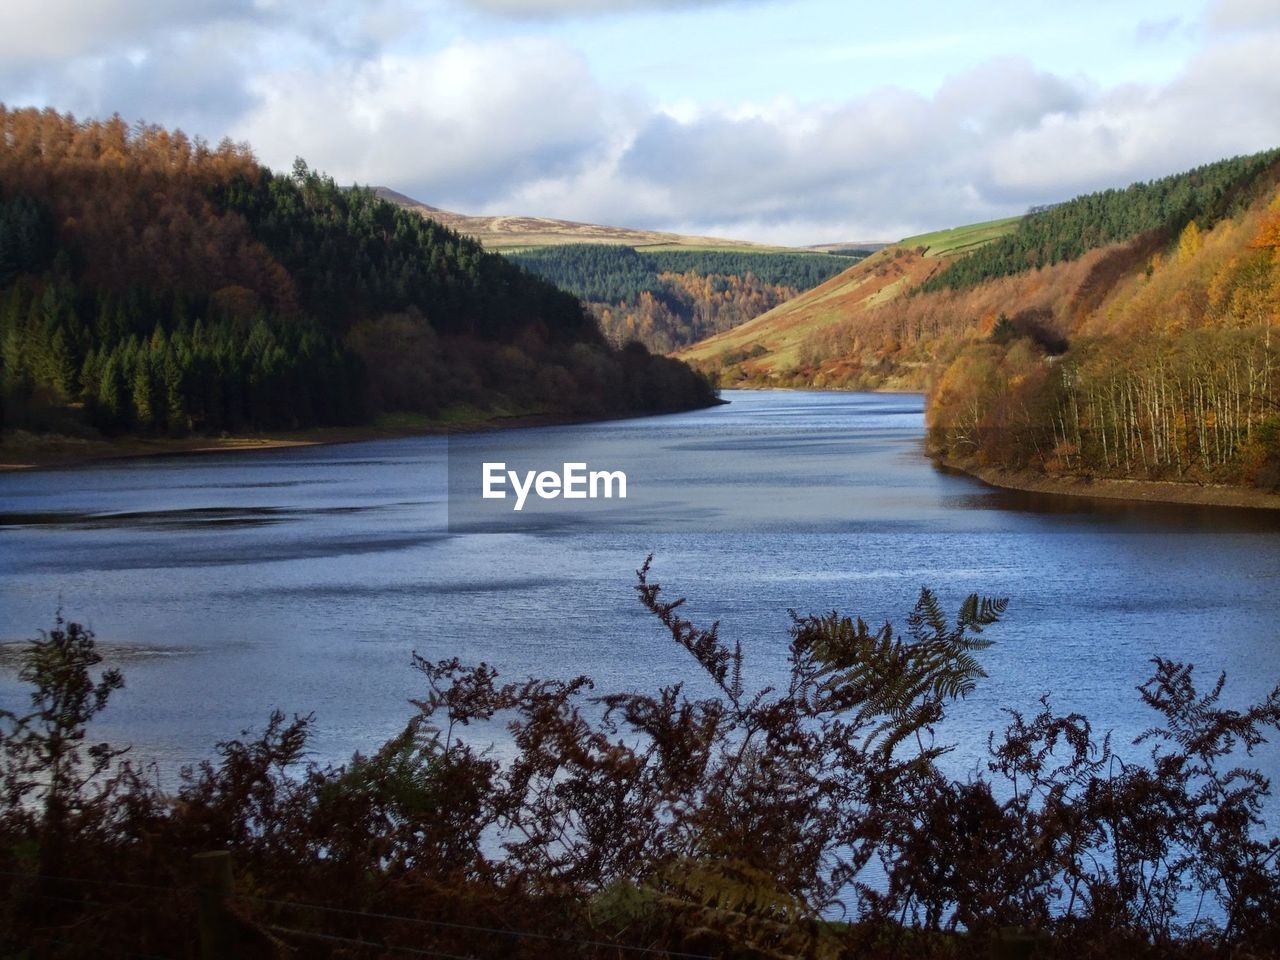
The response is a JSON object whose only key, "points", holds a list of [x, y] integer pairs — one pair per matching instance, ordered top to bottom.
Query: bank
{"points": [[22, 450], [1108, 488]]}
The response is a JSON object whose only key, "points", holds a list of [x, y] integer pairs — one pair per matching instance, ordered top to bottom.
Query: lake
{"points": [[229, 585]]}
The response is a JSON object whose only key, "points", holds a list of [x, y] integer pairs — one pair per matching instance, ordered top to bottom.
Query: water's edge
{"points": [[1137, 491]]}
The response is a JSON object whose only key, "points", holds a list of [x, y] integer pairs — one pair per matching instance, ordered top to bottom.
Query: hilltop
{"points": [[522, 232], [1126, 334]]}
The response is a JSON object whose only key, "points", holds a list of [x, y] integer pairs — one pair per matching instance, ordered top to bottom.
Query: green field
{"points": [[941, 243]]}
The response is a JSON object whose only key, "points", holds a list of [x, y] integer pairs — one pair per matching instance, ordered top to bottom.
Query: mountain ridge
{"points": [[516, 232]]}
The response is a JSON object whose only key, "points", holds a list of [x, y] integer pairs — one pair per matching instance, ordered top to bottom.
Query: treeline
{"points": [[1067, 230], [800, 271], [594, 272], [613, 274], [153, 283], [670, 298], [136, 363], [1201, 406], [808, 819]]}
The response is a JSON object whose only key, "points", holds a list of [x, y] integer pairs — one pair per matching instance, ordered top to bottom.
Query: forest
{"points": [[1065, 231], [150, 283], [667, 299], [1182, 383], [811, 820]]}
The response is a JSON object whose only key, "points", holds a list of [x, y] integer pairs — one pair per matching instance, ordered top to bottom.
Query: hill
{"points": [[520, 232], [850, 247], [150, 284], [663, 290], [667, 299], [1125, 334], [789, 345]]}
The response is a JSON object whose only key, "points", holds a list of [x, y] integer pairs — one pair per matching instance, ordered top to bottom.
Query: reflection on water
{"points": [[304, 578]]}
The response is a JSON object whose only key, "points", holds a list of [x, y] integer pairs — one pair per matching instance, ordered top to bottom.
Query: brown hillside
{"points": [[514, 232]]}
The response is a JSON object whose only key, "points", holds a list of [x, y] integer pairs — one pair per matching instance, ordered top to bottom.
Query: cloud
{"points": [[550, 9], [1244, 14], [34, 32], [1150, 32], [195, 81], [1222, 105], [515, 121], [460, 123], [523, 127]]}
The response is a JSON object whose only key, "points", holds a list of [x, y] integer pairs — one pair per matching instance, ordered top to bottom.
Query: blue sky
{"points": [[791, 121]]}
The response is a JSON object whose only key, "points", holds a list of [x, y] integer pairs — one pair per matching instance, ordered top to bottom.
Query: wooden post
{"points": [[214, 887]]}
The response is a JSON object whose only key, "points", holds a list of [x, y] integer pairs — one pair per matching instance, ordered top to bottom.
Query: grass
{"points": [[941, 243]]}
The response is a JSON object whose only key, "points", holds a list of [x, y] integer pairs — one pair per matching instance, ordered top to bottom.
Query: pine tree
{"points": [[143, 393], [113, 399], [176, 415]]}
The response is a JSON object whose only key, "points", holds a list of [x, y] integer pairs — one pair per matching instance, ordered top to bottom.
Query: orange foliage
{"points": [[136, 201], [1268, 231]]}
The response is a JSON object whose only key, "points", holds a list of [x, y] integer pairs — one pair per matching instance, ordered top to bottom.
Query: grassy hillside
{"points": [[954, 240], [154, 285], [787, 346], [778, 347], [1064, 351]]}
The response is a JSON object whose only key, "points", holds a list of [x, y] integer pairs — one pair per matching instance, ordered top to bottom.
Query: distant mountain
{"points": [[507, 232], [847, 247]]}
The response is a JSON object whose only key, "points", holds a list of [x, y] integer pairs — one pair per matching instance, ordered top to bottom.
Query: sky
{"points": [[782, 121]]}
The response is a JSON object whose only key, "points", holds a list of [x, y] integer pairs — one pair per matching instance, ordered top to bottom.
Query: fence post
{"points": [[214, 888]]}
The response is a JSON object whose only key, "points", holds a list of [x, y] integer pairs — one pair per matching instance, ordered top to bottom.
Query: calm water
{"points": [[303, 579]]}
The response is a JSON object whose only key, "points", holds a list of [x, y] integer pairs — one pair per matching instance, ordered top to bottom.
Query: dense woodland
{"points": [[1065, 231], [151, 283], [667, 299], [1179, 377], [711, 819]]}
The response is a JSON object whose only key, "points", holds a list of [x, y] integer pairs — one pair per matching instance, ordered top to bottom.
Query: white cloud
{"points": [[547, 9], [1244, 14], [34, 32], [196, 81], [1223, 104], [455, 123], [519, 123], [990, 142]]}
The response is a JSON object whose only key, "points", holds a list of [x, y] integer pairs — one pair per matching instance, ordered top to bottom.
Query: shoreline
{"points": [[22, 451], [1106, 488]]}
